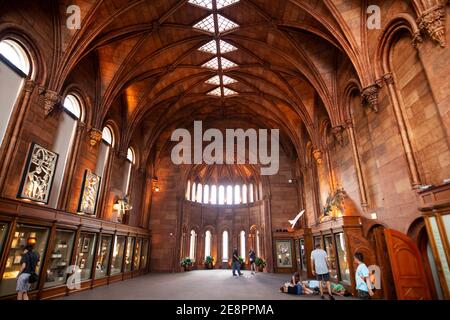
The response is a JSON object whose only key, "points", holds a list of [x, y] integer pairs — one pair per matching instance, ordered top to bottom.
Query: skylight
{"points": [[225, 3], [207, 4], [206, 24], [225, 24], [210, 47], [225, 47], [212, 64], [227, 64], [214, 80], [227, 80], [216, 92], [228, 92]]}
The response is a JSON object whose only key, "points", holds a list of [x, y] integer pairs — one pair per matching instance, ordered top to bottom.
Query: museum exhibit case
{"points": [[3, 233], [23, 235], [118, 253], [103, 254], [137, 254], [144, 254], [60, 255], [85, 255], [129, 255], [303, 255], [332, 262], [344, 269]]}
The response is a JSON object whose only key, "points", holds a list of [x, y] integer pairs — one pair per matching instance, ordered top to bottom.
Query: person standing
{"points": [[252, 257], [236, 263], [28, 269], [321, 269], [362, 277]]}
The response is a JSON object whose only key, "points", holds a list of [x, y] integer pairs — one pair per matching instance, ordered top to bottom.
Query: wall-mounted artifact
{"points": [[38, 175], [89, 193], [284, 253]]}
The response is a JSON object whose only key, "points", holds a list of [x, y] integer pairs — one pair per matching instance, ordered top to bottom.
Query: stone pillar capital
{"points": [[432, 23], [370, 96], [95, 136]]}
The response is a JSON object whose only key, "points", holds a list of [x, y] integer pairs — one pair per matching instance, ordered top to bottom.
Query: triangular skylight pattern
{"points": [[225, 3], [207, 4], [206, 24], [225, 24], [210, 47], [225, 47], [212, 64], [227, 64], [214, 80], [227, 80], [216, 92], [228, 92]]}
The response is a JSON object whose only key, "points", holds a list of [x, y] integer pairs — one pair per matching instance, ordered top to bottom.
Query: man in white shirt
{"points": [[320, 268], [363, 285]]}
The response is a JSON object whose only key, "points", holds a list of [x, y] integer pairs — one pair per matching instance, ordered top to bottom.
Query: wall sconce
{"points": [[292, 181], [155, 185], [122, 206], [374, 216]]}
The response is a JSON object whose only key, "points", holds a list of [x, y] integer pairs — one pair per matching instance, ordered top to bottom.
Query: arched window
{"points": [[16, 55], [15, 66], [63, 142], [103, 155], [128, 170], [188, 190], [194, 192], [199, 193], [206, 194], [213, 194], [237, 194], [244, 194], [251, 194], [221, 195], [229, 198], [208, 239], [242, 244], [193, 245], [258, 252], [225, 256]]}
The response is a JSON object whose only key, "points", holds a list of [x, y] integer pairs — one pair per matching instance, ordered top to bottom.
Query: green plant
{"points": [[209, 260], [241, 260], [186, 262], [260, 262]]}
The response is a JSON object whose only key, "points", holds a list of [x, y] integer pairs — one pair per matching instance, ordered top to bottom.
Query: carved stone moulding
{"points": [[432, 23], [369, 97], [52, 101], [337, 132], [95, 136], [317, 154]]}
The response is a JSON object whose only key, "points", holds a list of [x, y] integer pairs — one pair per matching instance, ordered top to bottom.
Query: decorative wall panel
{"points": [[89, 193]]}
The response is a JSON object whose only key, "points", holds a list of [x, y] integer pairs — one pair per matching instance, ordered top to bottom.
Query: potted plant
{"points": [[242, 261], [209, 262], [186, 263], [261, 264]]}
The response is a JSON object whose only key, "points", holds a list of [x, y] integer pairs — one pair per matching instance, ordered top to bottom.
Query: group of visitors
{"points": [[321, 269]]}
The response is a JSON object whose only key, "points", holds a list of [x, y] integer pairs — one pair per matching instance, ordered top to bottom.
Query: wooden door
{"points": [[407, 269]]}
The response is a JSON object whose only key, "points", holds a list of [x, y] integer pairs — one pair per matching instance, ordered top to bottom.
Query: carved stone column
{"points": [[432, 23], [389, 80], [357, 162]]}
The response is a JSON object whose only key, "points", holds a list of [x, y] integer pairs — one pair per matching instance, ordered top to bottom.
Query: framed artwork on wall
{"points": [[38, 175], [89, 193], [284, 253]]}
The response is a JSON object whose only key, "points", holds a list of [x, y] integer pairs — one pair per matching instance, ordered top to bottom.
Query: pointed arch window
{"points": [[128, 170], [188, 190], [194, 192], [199, 193], [206, 194], [214, 194], [244, 194], [251, 194], [221, 195], [237, 195], [229, 198], [208, 240], [242, 244], [193, 245], [225, 255]]}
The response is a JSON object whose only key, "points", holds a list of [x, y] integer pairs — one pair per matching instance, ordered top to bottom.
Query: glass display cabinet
{"points": [[3, 234], [23, 235], [104, 251], [331, 253], [129, 254], [137, 254], [144, 254], [303, 254], [85, 255], [60, 258], [117, 258], [344, 268]]}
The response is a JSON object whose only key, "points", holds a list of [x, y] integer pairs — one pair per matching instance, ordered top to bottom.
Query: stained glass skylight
{"points": [[225, 3], [207, 4], [206, 24], [225, 24], [212, 64], [227, 64], [214, 80], [227, 80], [216, 92], [228, 92]]}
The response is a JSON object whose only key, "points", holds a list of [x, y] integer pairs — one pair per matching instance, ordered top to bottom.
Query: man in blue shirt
{"points": [[363, 284]]}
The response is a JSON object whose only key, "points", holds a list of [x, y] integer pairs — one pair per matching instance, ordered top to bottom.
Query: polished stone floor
{"points": [[195, 285]]}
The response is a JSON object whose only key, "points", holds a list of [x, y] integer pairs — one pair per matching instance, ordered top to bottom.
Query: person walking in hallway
{"points": [[252, 256], [236, 264], [320, 268], [27, 273], [362, 277]]}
